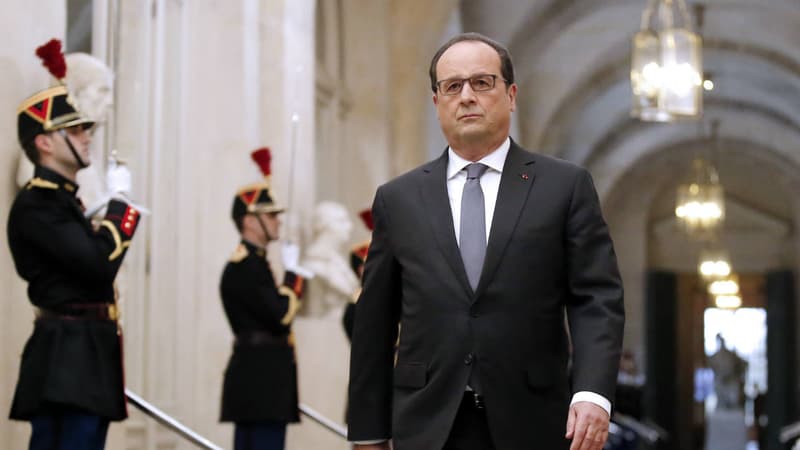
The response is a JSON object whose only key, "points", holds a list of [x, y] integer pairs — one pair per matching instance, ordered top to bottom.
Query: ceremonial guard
{"points": [[71, 378], [260, 388]]}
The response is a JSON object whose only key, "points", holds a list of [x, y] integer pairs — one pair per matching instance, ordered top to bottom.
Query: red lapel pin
{"points": [[524, 176]]}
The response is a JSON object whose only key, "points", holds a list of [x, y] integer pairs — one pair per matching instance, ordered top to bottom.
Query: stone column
{"points": [[27, 25], [416, 32], [367, 69], [200, 85]]}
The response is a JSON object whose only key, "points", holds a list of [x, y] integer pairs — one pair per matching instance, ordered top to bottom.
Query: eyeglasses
{"points": [[478, 83]]}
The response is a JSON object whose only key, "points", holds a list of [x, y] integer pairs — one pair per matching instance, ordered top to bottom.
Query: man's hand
{"points": [[118, 179], [290, 255], [587, 426], [381, 446]]}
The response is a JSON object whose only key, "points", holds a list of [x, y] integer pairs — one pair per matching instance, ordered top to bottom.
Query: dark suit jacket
{"points": [[549, 251]]}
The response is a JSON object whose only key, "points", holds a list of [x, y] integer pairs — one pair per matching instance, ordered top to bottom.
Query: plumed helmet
{"points": [[53, 108], [256, 197]]}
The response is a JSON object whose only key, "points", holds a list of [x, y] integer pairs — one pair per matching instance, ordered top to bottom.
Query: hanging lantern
{"points": [[666, 64], [700, 202], [714, 264], [726, 286], [726, 292], [728, 301]]}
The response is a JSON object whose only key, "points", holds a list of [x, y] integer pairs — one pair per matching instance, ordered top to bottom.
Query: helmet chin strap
{"points": [[80, 161], [269, 235]]}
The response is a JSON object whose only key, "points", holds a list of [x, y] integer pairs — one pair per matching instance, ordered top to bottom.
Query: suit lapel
{"points": [[515, 183], [433, 192]]}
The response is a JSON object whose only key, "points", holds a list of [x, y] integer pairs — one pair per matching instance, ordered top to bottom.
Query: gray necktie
{"points": [[472, 236]]}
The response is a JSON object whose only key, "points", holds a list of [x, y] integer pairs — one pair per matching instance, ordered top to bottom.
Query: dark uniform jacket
{"points": [[548, 252], [73, 359], [261, 378]]}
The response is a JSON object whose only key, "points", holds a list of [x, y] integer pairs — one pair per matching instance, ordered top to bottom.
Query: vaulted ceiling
{"points": [[572, 62]]}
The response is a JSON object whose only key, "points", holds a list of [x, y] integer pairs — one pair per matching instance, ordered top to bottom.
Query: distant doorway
{"points": [[734, 382]]}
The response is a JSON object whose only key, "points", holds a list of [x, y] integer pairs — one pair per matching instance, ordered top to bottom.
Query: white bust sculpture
{"points": [[91, 83], [91, 86], [334, 283]]}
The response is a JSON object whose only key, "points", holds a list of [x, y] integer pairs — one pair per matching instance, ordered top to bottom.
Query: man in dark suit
{"points": [[495, 268], [71, 378], [259, 393]]}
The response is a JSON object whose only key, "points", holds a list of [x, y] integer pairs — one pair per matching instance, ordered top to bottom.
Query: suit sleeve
{"points": [[74, 245], [595, 308], [374, 336]]}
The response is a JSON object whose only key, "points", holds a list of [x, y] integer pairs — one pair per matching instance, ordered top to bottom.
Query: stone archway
{"points": [[758, 234]]}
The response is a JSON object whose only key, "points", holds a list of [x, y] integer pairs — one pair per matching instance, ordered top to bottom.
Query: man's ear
{"points": [[512, 93], [435, 99], [44, 143], [247, 220]]}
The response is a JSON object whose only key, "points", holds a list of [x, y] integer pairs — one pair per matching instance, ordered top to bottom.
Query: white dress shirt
{"points": [[490, 184]]}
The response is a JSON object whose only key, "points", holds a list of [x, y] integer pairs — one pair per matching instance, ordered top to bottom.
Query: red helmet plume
{"points": [[53, 58], [263, 158]]}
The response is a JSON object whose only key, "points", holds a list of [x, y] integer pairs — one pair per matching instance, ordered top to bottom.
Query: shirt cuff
{"points": [[591, 397], [372, 442]]}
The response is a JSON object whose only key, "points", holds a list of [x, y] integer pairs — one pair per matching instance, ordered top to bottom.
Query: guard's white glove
{"points": [[118, 178], [118, 183], [290, 257]]}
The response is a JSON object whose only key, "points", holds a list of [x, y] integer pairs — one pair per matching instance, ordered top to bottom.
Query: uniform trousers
{"points": [[470, 429], [68, 430], [259, 436]]}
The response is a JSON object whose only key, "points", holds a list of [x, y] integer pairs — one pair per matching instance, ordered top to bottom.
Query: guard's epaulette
{"points": [[41, 184], [239, 254]]}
